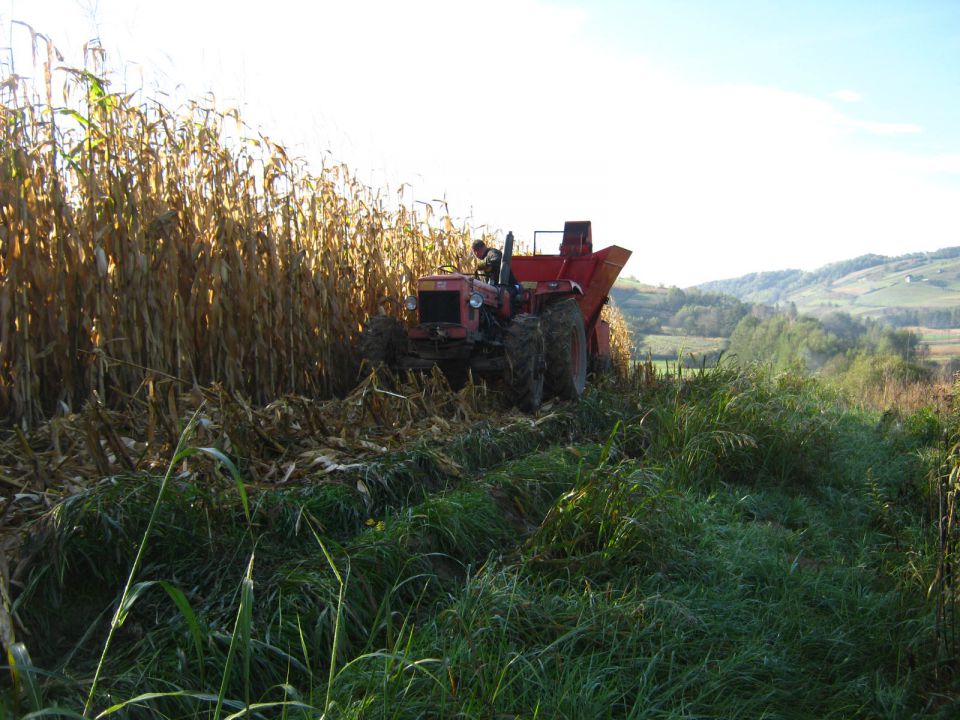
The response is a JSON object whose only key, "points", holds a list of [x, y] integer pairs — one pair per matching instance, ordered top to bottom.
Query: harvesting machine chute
{"points": [[593, 273], [539, 335]]}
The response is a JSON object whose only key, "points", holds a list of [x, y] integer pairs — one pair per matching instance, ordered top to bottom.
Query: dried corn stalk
{"points": [[134, 237]]}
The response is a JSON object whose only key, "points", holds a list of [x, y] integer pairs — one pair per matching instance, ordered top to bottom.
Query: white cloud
{"points": [[849, 96], [883, 128], [936, 165]]}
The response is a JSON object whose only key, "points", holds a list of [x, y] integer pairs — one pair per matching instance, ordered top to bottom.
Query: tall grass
{"points": [[735, 424], [402, 526], [599, 562], [652, 590]]}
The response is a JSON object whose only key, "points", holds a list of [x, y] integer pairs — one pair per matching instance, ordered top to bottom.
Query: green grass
{"points": [[915, 294], [733, 545], [715, 604]]}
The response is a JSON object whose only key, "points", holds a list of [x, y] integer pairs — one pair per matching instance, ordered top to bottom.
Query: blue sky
{"points": [[903, 57], [714, 138]]}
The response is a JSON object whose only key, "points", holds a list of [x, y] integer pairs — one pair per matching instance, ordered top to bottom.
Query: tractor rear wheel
{"points": [[383, 341], [566, 347], [524, 351], [601, 365]]}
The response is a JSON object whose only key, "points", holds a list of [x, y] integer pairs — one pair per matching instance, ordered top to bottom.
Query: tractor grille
{"points": [[439, 306]]}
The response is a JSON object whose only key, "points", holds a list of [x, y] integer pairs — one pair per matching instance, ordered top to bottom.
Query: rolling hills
{"points": [[912, 289], [916, 291]]}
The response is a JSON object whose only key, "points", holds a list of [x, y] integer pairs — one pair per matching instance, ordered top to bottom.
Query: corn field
{"points": [[140, 241], [945, 589]]}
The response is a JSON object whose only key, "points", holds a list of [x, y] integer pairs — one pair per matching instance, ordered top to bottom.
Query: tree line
{"points": [[694, 311], [838, 345]]}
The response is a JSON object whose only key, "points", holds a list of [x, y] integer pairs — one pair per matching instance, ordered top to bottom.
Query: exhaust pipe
{"points": [[504, 278]]}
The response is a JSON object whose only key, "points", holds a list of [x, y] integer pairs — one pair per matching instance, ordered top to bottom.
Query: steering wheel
{"points": [[448, 268]]}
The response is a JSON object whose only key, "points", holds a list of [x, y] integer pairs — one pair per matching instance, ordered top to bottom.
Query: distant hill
{"points": [[913, 289]]}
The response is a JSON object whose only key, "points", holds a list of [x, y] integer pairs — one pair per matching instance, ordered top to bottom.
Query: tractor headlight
{"points": [[476, 300], [410, 302]]}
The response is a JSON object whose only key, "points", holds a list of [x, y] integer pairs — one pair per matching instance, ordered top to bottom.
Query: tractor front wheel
{"points": [[383, 341], [566, 347], [524, 351], [456, 373]]}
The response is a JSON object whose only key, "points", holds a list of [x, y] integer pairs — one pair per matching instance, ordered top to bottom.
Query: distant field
{"points": [[635, 284], [854, 290], [916, 294], [863, 297], [637, 298], [942, 344], [668, 347], [668, 368]]}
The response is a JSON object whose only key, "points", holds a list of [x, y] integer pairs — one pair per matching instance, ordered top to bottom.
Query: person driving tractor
{"points": [[492, 260]]}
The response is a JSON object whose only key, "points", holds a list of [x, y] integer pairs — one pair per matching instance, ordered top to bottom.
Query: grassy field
{"points": [[909, 295], [736, 545]]}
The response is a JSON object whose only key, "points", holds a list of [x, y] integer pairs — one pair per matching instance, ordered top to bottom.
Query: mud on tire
{"points": [[383, 341], [524, 347], [566, 350]]}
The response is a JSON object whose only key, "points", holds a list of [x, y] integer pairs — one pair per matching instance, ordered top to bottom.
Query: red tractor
{"points": [[539, 335]]}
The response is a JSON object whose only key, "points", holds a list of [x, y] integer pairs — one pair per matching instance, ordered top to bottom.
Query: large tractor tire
{"points": [[383, 341], [524, 348], [566, 350]]}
